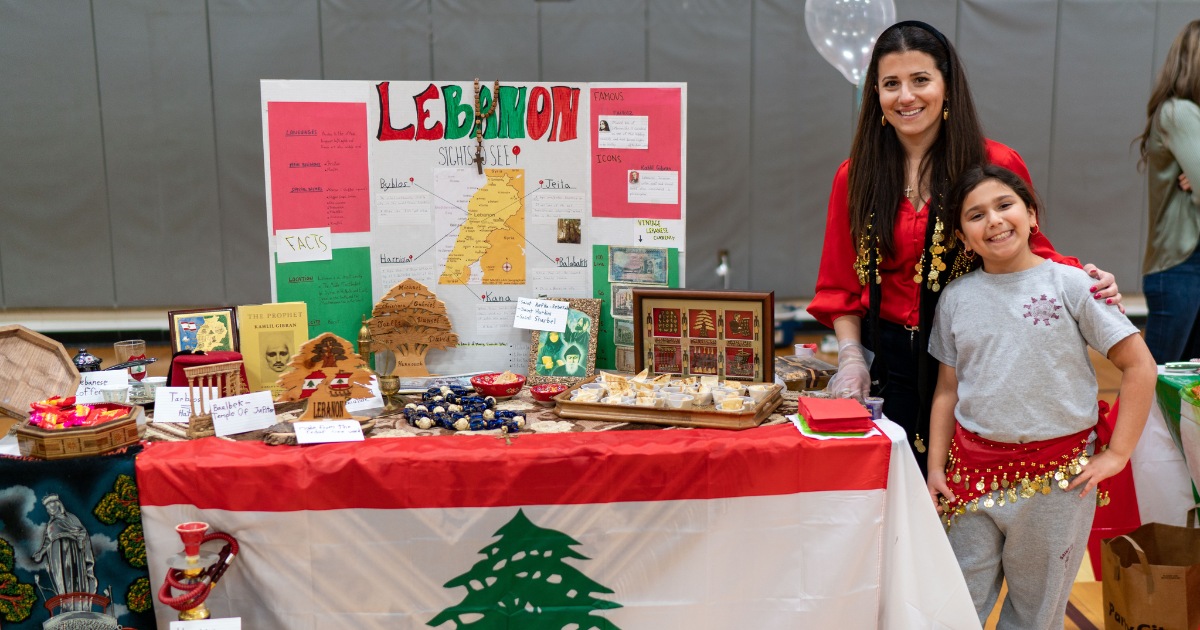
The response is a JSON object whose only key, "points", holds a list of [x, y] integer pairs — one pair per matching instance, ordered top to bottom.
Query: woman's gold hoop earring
{"points": [[883, 120], [1034, 231]]}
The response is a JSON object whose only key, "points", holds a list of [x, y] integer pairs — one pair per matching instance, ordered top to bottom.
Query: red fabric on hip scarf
{"points": [[983, 472]]}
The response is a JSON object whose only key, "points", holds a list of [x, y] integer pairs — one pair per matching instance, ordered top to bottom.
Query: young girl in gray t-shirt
{"points": [[1015, 406]]}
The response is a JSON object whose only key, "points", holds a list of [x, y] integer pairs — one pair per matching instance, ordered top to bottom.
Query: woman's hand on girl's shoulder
{"points": [[1105, 287]]}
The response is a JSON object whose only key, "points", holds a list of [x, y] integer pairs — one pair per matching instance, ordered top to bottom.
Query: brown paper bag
{"points": [[1152, 578]]}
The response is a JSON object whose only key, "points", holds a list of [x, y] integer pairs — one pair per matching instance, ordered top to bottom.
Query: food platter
{"points": [[705, 416]]}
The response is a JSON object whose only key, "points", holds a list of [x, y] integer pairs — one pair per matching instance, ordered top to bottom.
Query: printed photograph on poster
{"points": [[623, 132], [653, 187], [570, 231], [637, 265], [622, 300], [206, 329], [623, 332], [570, 356], [625, 361]]}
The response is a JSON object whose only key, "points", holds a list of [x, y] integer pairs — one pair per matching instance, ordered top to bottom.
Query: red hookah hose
{"points": [[195, 592]]}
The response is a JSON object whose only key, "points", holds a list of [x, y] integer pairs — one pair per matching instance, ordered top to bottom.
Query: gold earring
{"points": [[946, 113], [883, 120]]}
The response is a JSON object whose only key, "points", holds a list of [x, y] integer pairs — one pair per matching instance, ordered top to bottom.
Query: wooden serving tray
{"points": [[33, 367], [704, 417]]}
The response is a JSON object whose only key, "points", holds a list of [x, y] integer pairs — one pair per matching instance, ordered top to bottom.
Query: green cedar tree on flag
{"points": [[524, 581]]}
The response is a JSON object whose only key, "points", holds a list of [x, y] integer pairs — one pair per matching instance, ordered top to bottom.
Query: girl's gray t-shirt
{"points": [[1018, 342]]}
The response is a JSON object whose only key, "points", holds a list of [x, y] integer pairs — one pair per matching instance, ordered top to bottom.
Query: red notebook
{"points": [[835, 415]]}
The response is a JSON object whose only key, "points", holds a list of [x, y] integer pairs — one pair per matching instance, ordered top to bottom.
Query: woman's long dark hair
{"points": [[1178, 78], [877, 158]]}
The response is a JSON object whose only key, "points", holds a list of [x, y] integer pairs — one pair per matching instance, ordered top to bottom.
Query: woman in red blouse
{"points": [[888, 247]]}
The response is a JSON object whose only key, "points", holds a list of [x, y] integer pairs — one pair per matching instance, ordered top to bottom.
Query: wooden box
{"points": [[103, 438]]}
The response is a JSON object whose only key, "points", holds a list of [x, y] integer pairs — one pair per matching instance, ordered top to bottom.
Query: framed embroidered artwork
{"points": [[727, 334]]}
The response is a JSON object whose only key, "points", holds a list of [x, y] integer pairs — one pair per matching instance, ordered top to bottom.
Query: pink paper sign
{"points": [[319, 166], [612, 167]]}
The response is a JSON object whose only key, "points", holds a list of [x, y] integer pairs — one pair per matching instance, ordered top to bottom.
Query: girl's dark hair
{"points": [[877, 158], [976, 175]]}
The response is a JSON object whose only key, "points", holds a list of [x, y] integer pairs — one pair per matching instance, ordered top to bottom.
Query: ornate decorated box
{"points": [[98, 439]]}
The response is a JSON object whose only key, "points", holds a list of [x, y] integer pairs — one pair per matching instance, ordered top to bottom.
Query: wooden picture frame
{"points": [[188, 330], [727, 334], [549, 352]]}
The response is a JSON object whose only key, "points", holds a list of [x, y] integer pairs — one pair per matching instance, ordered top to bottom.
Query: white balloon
{"points": [[844, 31]]}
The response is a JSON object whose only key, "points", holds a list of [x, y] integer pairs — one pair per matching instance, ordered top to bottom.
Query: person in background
{"points": [[1170, 148], [887, 254], [1014, 413]]}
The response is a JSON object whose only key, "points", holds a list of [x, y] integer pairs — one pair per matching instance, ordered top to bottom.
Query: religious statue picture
{"points": [[410, 321], [206, 329], [568, 356], [327, 372]]}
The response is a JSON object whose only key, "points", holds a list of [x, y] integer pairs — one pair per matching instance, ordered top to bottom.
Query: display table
{"points": [[1160, 472], [762, 528]]}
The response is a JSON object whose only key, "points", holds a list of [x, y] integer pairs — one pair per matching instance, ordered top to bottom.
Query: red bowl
{"points": [[486, 384], [547, 391]]}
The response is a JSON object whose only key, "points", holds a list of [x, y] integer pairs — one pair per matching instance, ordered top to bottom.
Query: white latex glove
{"points": [[853, 378]]}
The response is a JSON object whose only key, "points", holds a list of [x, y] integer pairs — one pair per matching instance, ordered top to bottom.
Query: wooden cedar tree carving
{"points": [[410, 321], [327, 372]]}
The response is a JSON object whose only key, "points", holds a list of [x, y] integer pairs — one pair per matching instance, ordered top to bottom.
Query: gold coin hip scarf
{"points": [[983, 473]]}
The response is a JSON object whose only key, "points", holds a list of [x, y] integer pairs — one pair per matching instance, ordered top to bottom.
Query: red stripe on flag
{"points": [[478, 471]]}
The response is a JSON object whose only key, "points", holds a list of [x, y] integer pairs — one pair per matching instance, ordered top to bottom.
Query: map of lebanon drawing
{"points": [[486, 216]]}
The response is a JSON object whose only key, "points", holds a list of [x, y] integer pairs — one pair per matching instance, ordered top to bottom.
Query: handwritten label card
{"points": [[623, 132], [654, 187], [551, 205], [404, 208], [652, 232], [304, 245], [391, 274], [559, 282], [550, 315], [495, 318], [90, 384], [374, 401], [173, 404], [239, 414], [323, 431], [233, 623]]}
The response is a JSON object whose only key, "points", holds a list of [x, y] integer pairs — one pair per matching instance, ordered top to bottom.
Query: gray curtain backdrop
{"points": [[132, 172]]}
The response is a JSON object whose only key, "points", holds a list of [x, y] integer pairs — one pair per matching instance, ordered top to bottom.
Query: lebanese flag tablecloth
{"points": [[763, 528]]}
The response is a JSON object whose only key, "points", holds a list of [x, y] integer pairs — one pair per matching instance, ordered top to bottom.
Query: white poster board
{"points": [[392, 169]]}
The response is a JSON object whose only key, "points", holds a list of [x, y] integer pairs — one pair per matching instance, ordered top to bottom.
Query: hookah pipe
{"points": [[195, 573]]}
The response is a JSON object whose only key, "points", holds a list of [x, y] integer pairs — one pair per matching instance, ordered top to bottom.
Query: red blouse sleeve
{"points": [[1002, 155], [838, 292]]}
